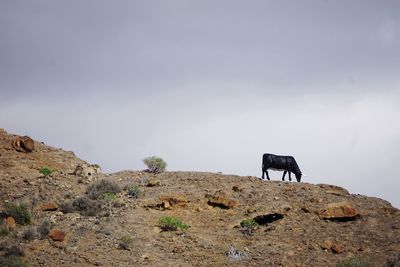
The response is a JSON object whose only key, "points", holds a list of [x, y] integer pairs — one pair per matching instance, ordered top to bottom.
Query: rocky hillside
{"points": [[82, 217]]}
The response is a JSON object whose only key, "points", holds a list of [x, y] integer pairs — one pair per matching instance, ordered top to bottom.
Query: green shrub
{"points": [[155, 164], [46, 171], [97, 189], [133, 191], [109, 198], [19, 212], [169, 223], [249, 223], [248, 226], [125, 242], [12, 261], [357, 262]]}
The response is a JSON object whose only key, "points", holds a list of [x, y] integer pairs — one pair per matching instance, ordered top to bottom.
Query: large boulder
{"points": [[23, 144], [339, 211]]}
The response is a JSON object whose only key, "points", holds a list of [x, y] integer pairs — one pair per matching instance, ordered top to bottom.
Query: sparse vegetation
{"points": [[155, 164], [46, 171], [98, 188], [133, 191], [109, 198], [87, 206], [19, 212], [169, 223], [248, 226], [43, 229], [3, 230], [29, 234], [125, 242], [12, 261], [357, 262]]}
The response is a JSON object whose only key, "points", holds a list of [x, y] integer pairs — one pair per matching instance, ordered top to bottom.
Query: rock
{"points": [[23, 144], [87, 171], [153, 183], [236, 188], [334, 190], [220, 199], [174, 200], [50, 206], [251, 210], [340, 210], [10, 223], [57, 235], [326, 244], [337, 248]]}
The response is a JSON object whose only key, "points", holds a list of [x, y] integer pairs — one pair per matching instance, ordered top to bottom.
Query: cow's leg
{"points": [[263, 173], [267, 174], [283, 177], [290, 178]]}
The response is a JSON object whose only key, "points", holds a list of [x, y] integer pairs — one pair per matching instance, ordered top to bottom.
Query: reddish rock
{"points": [[50, 206], [340, 210], [10, 222], [57, 235], [337, 248]]}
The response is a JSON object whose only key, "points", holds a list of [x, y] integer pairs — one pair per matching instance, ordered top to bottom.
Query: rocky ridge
{"points": [[298, 224]]}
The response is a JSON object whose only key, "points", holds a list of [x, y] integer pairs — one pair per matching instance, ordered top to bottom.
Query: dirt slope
{"points": [[301, 224]]}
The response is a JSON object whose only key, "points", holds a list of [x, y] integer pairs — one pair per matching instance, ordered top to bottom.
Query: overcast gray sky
{"points": [[210, 85]]}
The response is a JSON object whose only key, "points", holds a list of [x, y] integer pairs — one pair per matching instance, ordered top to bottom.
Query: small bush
{"points": [[155, 164], [46, 171], [97, 189], [133, 191], [109, 198], [87, 206], [67, 207], [19, 212], [169, 223], [249, 223], [248, 226], [43, 229], [4, 231], [29, 234], [125, 242], [13, 250], [12, 261], [357, 262]]}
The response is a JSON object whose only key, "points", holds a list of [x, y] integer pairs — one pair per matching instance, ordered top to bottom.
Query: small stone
{"points": [[153, 183], [236, 188], [220, 199], [175, 200], [50, 206], [251, 210], [10, 222], [57, 235], [327, 244], [337, 248], [291, 253]]}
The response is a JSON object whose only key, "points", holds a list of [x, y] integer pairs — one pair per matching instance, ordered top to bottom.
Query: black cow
{"points": [[280, 163]]}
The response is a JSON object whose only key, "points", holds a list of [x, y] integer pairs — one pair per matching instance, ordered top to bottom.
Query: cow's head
{"points": [[298, 176]]}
